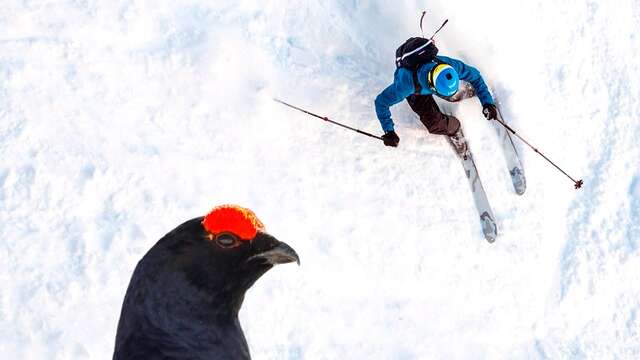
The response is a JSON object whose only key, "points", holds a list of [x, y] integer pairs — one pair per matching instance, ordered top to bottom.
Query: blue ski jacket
{"points": [[403, 86]]}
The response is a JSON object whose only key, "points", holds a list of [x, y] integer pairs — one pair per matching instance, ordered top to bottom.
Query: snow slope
{"points": [[121, 119]]}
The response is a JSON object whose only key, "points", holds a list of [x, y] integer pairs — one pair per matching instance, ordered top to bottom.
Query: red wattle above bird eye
{"points": [[234, 219]]}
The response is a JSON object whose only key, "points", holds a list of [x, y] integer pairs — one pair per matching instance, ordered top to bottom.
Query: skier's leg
{"points": [[465, 91], [430, 115], [437, 122]]}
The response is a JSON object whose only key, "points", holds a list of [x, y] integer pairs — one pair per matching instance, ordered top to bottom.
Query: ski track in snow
{"points": [[121, 119]]}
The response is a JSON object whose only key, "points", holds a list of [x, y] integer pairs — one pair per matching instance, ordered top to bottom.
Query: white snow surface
{"points": [[120, 119]]}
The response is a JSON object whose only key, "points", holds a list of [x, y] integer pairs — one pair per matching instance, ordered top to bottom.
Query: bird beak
{"points": [[277, 253]]}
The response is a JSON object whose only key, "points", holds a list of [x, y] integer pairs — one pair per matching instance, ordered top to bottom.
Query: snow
{"points": [[121, 119]]}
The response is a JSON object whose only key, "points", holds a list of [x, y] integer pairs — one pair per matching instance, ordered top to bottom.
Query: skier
{"points": [[421, 73]]}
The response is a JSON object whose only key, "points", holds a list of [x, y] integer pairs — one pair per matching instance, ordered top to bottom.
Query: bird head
{"points": [[237, 233], [226, 251], [185, 293]]}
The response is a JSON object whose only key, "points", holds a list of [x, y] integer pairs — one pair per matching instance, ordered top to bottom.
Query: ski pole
{"points": [[421, 18], [440, 28], [437, 31], [328, 120], [577, 184]]}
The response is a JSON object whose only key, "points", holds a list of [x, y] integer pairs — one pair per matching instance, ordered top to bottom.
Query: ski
{"points": [[514, 165], [487, 219]]}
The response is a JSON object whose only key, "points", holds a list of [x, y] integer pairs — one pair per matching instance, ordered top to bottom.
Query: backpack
{"points": [[413, 53]]}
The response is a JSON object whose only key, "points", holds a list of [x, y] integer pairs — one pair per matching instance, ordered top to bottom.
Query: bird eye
{"points": [[226, 240]]}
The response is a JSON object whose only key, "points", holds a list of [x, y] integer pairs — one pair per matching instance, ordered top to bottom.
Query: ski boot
{"points": [[459, 143]]}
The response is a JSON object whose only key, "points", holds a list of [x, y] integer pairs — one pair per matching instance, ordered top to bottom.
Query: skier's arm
{"points": [[472, 76], [392, 95]]}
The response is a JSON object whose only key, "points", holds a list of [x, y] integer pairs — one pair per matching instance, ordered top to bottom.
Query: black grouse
{"points": [[185, 293]]}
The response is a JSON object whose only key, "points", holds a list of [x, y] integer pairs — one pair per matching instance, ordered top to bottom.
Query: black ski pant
{"points": [[431, 116]]}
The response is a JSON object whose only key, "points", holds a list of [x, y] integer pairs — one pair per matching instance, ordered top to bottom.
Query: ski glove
{"points": [[490, 112], [391, 139]]}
